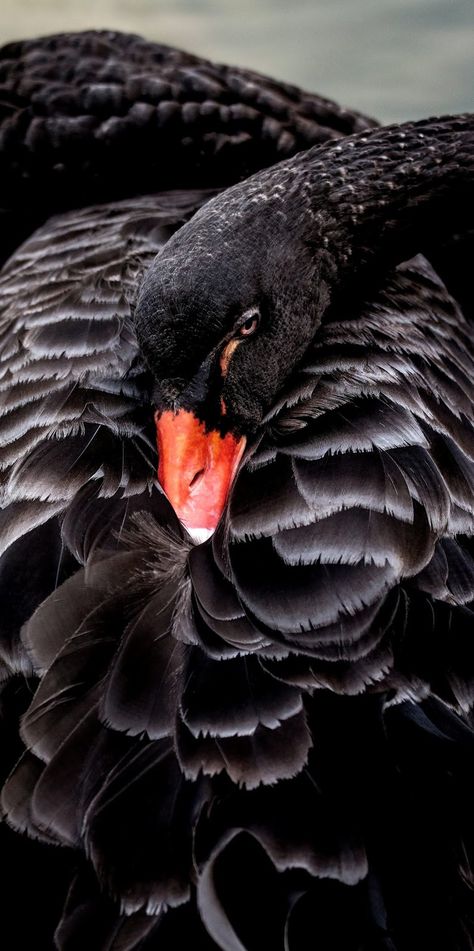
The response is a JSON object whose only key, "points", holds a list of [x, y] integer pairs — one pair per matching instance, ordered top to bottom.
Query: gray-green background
{"points": [[395, 59]]}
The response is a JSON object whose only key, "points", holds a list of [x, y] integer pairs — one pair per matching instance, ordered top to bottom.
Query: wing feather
{"points": [[186, 727]]}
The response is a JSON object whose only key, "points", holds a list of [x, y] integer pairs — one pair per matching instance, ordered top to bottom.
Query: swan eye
{"points": [[250, 325]]}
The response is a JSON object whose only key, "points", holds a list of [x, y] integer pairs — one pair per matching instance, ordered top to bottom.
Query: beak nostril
{"points": [[196, 477]]}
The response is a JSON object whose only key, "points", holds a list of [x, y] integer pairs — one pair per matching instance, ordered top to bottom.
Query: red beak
{"points": [[195, 469]]}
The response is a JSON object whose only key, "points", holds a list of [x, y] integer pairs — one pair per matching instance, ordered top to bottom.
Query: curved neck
{"points": [[380, 196]]}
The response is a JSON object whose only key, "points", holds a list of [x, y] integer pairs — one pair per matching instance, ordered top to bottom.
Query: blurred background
{"points": [[394, 59]]}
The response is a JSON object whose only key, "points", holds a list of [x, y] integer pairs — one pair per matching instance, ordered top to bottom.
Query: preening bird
{"points": [[237, 455]]}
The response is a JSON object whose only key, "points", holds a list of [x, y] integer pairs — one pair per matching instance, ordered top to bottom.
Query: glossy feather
{"points": [[263, 741]]}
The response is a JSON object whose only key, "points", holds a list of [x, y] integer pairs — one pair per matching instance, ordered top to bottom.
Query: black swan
{"points": [[244, 716]]}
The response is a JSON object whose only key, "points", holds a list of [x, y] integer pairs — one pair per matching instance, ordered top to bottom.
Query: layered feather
{"points": [[227, 735]]}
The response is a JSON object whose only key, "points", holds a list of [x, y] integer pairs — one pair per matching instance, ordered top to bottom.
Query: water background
{"points": [[394, 59]]}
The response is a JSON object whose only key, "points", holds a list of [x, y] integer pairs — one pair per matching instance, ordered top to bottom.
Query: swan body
{"points": [[262, 740]]}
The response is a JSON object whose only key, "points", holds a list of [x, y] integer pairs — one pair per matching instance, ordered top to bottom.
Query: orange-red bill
{"points": [[195, 469]]}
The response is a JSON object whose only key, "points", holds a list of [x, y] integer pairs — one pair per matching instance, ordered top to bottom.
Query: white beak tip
{"points": [[199, 535]]}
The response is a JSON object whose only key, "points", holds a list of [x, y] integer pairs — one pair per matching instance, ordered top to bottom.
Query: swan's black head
{"points": [[227, 309], [225, 313]]}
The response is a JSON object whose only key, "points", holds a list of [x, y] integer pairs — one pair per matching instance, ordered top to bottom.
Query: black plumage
{"points": [[263, 740]]}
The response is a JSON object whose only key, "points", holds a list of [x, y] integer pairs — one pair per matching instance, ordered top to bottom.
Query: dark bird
{"points": [[237, 509]]}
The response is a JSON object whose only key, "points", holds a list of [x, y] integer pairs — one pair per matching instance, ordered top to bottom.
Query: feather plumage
{"points": [[263, 740]]}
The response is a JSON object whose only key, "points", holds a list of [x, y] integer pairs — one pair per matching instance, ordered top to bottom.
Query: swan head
{"points": [[225, 312]]}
